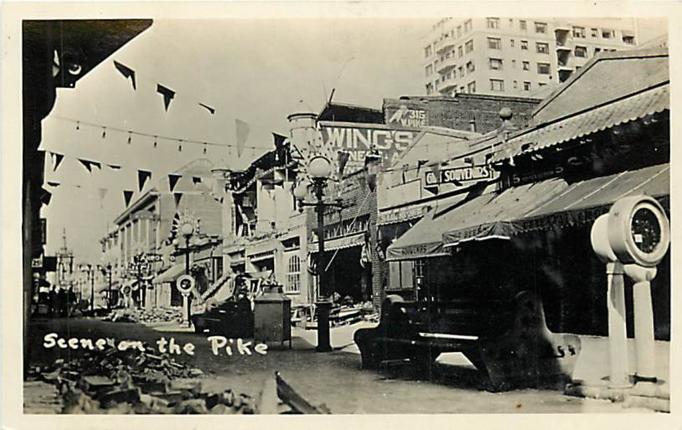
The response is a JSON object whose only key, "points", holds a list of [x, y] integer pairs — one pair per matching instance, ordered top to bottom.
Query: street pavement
{"points": [[336, 379]]}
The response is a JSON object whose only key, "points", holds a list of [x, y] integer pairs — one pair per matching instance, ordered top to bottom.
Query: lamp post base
{"points": [[323, 338]]}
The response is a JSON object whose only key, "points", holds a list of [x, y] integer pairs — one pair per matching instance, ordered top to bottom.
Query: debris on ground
{"points": [[155, 315], [132, 381]]}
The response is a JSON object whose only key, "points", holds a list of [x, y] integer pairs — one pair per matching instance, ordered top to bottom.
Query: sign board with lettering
{"points": [[408, 117], [358, 139], [458, 175]]}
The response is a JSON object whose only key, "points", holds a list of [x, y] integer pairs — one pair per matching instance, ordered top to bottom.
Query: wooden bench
{"points": [[508, 341]]}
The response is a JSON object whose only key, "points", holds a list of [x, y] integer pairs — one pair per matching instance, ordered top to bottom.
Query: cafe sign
{"points": [[358, 140], [458, 175]]}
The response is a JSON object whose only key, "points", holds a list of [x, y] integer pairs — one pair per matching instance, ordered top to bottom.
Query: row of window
{"points": [[494, 24], [461, 30], [603, 33], [540, 47], [497, 63], [493, 64], [497, 85]]}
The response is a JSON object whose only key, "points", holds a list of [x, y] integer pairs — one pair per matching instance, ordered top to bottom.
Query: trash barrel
{"points": [[272, 316]]}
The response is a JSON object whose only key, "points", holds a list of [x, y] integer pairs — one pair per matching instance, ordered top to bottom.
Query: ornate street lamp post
{"points": [[319, 170], [187, 230]]}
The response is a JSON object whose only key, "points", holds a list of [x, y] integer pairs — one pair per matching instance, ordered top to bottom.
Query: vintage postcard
{"points": [[340, 210]]}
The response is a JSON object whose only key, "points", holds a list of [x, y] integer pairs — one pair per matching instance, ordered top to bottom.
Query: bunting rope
{"points": [[180, 141]]}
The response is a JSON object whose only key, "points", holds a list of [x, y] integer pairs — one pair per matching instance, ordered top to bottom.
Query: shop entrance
{"points": [[346, 276]]}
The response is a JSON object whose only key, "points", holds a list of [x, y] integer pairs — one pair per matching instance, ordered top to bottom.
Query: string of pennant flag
{"points": [[242, 132]]}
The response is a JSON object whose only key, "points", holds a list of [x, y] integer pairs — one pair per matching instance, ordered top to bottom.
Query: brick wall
{"points": [[458, 112]]}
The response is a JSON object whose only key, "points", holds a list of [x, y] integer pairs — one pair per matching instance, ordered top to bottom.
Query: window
{"points": [[493, 23], [523, 25], [467, 26], [541, 27], [459, 31], [579, 32], [594, 32], [607, 34], [630, 40], [511, 42], [494, 43], [524, 44], [469, 46], [542, 48], [597, 50], [427, 51], [460, 51], [580, 51], [495, 64], [513, 64], [526, 65], [470, 67], [543, 68], [429, 70], [461, 71], [515, 84], [541, 84], [496, 85], [526, 86], [471, 87], [429, 88], [461, 89], [294, 275]]}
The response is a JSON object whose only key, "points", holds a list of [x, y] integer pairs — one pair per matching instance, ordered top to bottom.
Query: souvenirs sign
{"points": [[458, 175]]}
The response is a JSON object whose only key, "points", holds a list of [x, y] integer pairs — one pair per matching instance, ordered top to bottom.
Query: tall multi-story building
{"points": [[515, 56]]}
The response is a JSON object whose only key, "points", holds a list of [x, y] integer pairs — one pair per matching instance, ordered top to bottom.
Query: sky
{"points": [[257, 71]]}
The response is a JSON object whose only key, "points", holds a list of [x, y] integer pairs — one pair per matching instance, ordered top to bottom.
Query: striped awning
{"points": [[582, 124], [553, 203]]}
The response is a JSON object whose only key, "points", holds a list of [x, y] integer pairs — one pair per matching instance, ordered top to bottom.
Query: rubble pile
{"points": [[155, 315], [111, 381]]}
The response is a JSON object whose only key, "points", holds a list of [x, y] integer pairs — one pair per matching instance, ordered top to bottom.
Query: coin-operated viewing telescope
{"points": [[632, 238]]}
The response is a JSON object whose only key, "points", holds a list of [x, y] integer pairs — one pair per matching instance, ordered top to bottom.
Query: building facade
{"points": [[515, 56], [590, 143]]}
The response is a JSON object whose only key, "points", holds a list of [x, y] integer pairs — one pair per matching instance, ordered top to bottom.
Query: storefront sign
{"points": [[406, 117], [358, 141], [458, 175]]}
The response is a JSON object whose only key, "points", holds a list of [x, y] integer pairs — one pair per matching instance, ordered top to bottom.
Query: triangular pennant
{"points": [[126, 72], [167, 94], [208, 108], [242, 131], [342, 158], [57, 159], [420, 163], [87, 164], [114, 166], [142, 177], [173, 180], [127, 195], [45, 197], [177, 197]]}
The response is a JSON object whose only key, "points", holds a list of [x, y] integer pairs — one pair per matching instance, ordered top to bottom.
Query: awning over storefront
{"points": [[599, 118], [583, 202], [554, 203], [545, 204], [357, 239], [424, 239], [170, 275]]}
